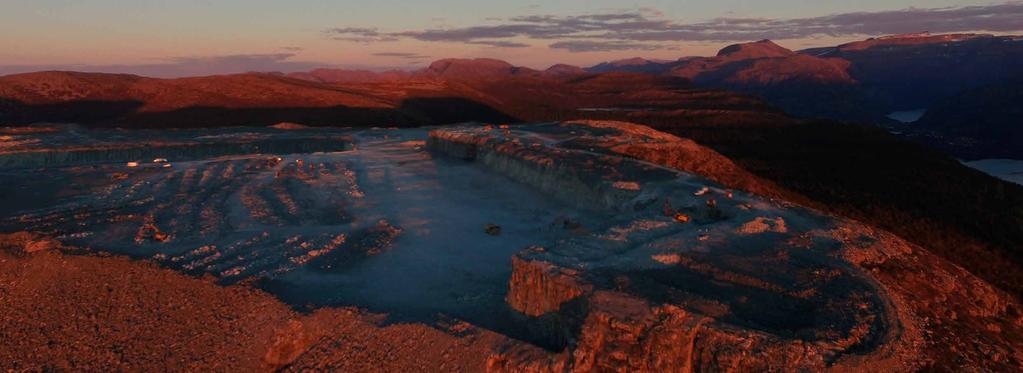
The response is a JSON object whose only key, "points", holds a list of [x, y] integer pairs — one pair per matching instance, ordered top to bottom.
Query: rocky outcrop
{"points": [[683, 154], [576, 178], [763, 225], [21, 243], [537, 288], [626, 334], [289, 342]]}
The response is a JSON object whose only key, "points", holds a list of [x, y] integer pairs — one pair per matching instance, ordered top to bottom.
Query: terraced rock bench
{"points": [[748, 284]]}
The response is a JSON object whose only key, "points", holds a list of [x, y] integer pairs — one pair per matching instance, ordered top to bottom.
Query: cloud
{"points": [[1006, 17], [646, 29], [482, 32], [359, 35], [498, 43], [602, 46], [403, 55], [232, 59], [187, 66]]}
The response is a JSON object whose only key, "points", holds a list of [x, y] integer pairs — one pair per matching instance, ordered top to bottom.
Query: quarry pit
{"points": [[562, 237]]}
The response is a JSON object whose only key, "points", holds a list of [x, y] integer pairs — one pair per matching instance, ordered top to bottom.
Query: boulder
{"points": [[20, 243]]}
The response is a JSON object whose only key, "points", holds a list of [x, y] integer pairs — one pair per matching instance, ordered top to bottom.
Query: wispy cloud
{"points": [[647, 29], [359, 34], [498, 43], [603, 46], [402, 55]]}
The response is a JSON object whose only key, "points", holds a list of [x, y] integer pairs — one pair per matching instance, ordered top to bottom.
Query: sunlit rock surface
{"points": [[605, 255]]}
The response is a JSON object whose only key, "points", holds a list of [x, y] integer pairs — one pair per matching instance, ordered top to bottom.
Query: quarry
{"points": [[576, 245]]}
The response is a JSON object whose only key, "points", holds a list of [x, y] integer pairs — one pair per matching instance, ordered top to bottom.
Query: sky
{"points": [[200, 37]]}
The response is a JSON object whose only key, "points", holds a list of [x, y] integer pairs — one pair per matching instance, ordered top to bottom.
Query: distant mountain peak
{"points": [[916, 38], [758, 49], [631, 61], [488, 62], [635, 64], [472, 68], [564, 69]]}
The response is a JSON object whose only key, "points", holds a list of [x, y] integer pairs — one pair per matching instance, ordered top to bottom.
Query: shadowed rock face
{"points": [[608, 258]]}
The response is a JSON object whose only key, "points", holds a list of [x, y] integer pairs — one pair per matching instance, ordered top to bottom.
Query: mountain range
{"points": [[862, 81], [865, 81]]}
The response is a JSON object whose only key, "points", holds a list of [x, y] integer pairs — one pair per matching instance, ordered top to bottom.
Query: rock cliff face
{"points": [[529, 162], [746, 285], [538, 288], [623, 333]]}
